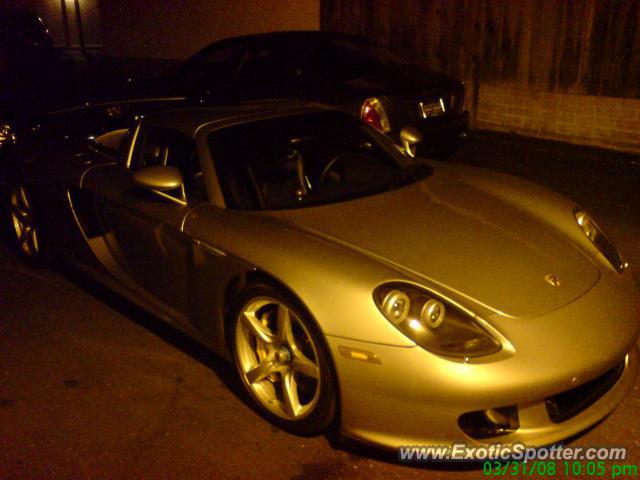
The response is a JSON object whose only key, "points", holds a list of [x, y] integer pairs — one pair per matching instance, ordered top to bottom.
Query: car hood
{"points": [[475, 244]]}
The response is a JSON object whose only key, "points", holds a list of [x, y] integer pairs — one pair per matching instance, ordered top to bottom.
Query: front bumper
{"points": [[413, 397], [391, 404]]}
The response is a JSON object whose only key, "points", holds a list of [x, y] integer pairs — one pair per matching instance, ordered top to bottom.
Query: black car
{"points": [[344, 70]]}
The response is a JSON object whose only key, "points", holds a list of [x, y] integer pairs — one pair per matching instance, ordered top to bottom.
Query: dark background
{"points": [[589, 46], [562, 70]]}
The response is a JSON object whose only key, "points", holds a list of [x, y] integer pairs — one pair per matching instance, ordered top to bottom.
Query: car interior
{"points": [[289, 163]]}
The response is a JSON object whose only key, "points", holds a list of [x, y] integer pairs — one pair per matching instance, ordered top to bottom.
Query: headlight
{"points": [[598, 238], [395, 306], [432, 323]]}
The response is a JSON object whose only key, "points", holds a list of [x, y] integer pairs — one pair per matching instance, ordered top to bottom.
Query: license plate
{"points": [[431, 108]]}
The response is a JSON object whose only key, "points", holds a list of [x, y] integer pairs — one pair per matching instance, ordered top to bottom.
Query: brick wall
{"points": [[582, 119]]}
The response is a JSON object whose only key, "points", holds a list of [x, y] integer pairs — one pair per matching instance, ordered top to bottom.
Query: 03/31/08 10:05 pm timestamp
{"points": [[553, 468]]}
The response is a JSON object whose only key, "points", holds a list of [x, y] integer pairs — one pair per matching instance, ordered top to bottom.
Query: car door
{"points": [[151, 253]]}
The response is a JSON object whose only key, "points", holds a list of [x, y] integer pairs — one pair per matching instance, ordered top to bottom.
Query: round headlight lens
{"points": [[396, 305], [433, 313], [448, 330]]}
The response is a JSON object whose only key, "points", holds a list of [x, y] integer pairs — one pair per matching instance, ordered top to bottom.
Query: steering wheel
{"points": [[355, 152], [330, 164]]}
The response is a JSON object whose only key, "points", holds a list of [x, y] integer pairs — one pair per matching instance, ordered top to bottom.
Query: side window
{"points": [[163, 146]]}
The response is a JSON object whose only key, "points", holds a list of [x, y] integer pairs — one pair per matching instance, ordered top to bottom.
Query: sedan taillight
{"points": [[372, 112]]}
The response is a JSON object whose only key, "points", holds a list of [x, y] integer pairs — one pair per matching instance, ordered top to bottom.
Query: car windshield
{"points": [[303, 160]]}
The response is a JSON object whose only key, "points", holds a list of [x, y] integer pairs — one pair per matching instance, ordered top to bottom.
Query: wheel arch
{"points": [[256, 276], [245, 279]]}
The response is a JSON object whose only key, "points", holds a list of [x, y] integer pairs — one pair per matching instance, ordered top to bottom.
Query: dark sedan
{"points": [[342, 70]]}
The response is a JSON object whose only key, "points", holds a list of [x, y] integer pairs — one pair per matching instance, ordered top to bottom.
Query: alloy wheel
{"points": [[23, 222], [277, 358]]}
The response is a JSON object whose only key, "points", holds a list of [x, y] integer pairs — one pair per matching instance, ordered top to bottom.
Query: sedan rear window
{"points": [[303, 160]]}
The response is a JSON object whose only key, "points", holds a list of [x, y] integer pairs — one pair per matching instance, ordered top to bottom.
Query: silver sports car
{"points": [[402, 300]]}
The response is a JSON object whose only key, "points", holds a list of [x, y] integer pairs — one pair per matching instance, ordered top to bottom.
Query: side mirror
{"points": [[410, 137], [159, 179]]}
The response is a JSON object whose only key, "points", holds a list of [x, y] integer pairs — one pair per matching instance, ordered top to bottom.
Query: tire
{"points": [[24, 227], [282, 360]]}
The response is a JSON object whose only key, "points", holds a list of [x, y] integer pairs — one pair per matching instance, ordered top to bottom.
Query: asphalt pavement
{"points": [[93, 387]]}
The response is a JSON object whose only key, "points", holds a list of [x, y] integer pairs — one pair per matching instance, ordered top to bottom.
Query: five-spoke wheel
{"points": [[23, 222], [282, 361]]}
